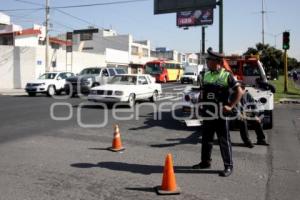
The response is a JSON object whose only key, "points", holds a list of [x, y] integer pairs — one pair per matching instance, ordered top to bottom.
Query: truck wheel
{"points": [[51, 90], [268, 119]]}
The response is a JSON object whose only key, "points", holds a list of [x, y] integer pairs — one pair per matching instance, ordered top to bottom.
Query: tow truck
{"points": [[249, 70]]}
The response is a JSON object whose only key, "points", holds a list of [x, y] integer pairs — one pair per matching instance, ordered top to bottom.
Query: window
{"points": [[86, 36], [54, 46], [87, 48], [134, 50], [145, 52], [235, 68], [251, 70], [90, 71], [120, 71], [111, 72], [105, 73], [69, 75], [48, 76], [62, 76], [142, 80]]}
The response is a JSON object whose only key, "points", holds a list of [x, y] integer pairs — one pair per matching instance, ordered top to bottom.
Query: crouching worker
{"points": [[249, 115]]}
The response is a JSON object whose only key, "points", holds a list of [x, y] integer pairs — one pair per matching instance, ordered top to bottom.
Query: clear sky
{"points": [[242, 22]]}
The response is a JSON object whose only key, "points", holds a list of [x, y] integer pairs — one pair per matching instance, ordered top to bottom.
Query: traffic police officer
{"points": [[217, 85]]}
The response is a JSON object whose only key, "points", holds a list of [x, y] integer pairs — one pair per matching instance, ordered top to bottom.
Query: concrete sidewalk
{"points": [[13, 92], [288, 100]]}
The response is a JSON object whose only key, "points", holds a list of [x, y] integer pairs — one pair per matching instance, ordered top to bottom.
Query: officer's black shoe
{"points": [[262, 142], [249, 145], [202, 165], [226, 172]]}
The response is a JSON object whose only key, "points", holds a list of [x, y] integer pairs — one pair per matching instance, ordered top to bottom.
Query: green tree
{"points": [[271, 57]]}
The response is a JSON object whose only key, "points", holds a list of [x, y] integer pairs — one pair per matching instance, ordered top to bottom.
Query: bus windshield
{"points": [[152, 68]]}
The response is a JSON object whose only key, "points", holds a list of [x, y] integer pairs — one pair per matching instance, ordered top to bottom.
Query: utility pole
{"points": [[220, 3], [263, 21], [47, 37], [203, 40]]}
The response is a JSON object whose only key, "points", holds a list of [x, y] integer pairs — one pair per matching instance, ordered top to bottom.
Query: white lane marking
{"points": [[172, 87], [178, 89], [164, 98], [176, 99]]}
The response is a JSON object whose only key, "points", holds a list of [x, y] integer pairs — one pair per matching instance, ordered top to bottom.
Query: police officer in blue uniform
{"points": [[217, 85]]}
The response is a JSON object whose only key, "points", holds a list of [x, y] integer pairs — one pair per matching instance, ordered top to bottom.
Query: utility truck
{"points": [[250, 71]]}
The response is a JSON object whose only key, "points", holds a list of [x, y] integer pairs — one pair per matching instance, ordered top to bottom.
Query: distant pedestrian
{"points": [[295, 76]]}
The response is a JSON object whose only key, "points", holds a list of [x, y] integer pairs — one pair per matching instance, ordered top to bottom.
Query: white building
{"points": [[119, 50], [184, 58]]}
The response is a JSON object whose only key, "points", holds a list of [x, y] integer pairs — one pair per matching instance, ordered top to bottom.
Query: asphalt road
{"points": [[42, 158]]}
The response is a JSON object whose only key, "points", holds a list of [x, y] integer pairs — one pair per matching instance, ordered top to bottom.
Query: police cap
{"points": [[214, 55]]}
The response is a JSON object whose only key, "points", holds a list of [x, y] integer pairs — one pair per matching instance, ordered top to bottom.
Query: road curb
{"points": [[289, 101]]}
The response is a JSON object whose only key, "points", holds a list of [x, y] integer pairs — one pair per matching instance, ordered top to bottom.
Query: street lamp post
{"points": [[47, 37]]}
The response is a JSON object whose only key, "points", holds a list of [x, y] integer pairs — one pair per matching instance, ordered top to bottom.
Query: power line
{"points": [[98, 4], [70, 6], [63, 12], [79, 19], [118, 41]]}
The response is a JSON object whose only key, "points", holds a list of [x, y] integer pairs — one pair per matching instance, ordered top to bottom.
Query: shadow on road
{"points": [[165, 120], [194, 138], [141, 169], [143, 189]]}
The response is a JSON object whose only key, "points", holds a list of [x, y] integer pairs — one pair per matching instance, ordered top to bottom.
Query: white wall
{"points": [[26, 40], [116, 56], [18, 65], [6, 66]]}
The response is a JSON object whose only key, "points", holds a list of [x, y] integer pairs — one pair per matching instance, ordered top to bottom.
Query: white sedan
{"points": [[126, 88]]}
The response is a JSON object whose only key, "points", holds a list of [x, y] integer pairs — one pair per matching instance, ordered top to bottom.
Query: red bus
{"points": [[164, 70]]}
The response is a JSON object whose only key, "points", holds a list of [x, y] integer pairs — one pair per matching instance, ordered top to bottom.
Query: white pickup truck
{"points": [[252, 73]]}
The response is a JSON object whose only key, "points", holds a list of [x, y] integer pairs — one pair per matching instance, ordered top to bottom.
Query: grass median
{"points": [[293, 89]]}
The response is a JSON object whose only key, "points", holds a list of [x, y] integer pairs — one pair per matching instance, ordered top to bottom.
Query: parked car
{"points": [[90, 77], [49, 83], [126, 88]]}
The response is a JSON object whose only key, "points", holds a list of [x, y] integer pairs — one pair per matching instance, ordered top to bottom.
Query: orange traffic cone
{"points": [[116, 143], [168, 186]]}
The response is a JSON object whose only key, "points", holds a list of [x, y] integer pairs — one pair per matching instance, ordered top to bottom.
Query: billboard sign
{"points": [[171, 6], [195, 18]]}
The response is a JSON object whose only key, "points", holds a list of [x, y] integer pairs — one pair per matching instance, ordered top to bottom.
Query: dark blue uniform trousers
{"points": [[221, 127]]}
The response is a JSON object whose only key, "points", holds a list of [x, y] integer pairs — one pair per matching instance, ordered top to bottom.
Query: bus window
{"points": [[152, 68]]}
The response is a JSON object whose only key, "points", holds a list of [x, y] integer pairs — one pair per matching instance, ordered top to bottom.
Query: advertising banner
{"points": [[195, 18]]}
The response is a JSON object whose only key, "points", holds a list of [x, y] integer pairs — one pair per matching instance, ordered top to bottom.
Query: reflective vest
{"points": [[215, 86]]}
